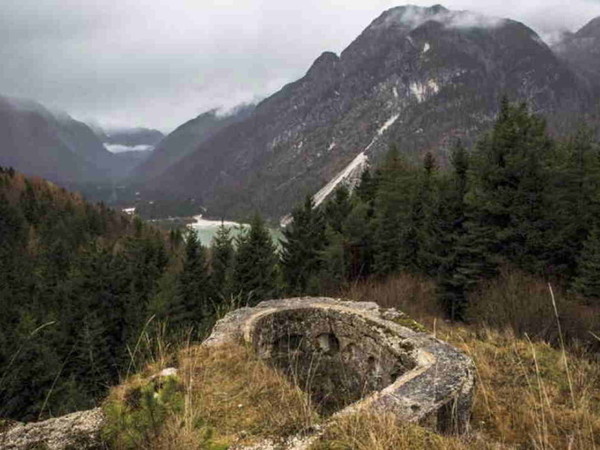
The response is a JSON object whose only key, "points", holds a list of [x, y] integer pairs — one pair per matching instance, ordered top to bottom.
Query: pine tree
{"points": [[367, 188], [510, 189], [575, 199], [337, 209], [393, 209], [426, 219], [358, 240], [303, 241], [463, 256], [222, 260], [334, 265], [255, 274], [192, 304]]}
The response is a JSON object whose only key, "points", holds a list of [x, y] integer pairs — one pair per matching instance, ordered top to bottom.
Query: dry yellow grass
{"points": [[237, 393], [224, 395], [530, 395], [381, 432]]}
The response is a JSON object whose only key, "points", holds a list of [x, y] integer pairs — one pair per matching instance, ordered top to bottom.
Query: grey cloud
{"points": [[158, 63]]}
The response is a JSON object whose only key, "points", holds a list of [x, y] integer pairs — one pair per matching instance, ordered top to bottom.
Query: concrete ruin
{"points": [[348, 356], [352, 356]]}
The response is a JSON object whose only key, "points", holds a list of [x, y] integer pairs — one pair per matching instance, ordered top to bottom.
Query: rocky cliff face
{"points": [[581, 50], [416, 76]]}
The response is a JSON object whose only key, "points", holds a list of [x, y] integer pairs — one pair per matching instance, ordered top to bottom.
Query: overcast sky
{"points": [[159, 63]]}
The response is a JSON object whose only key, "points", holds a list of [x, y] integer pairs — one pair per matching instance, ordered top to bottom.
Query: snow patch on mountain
{"points": [[426, 48], [424, 90], [388, 124], [382, 130], [351, 171]]}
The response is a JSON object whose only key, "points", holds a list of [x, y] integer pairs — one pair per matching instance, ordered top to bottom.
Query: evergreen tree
{"points": [[367, 188], [509, 195], [575, 200], [393, 207], [337, 209], [425, 221], [303, 241], [359, 245], [222, 260], [334, 265], [138, 268], [456, 273], [255, 274], [587, 281], [192, 304], [93, 320]]}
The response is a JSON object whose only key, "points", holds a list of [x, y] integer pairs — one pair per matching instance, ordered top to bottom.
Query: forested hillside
{"points": [[73, 280], [79, 283]]}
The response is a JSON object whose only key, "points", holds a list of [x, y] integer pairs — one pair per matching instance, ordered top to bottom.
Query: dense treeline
{"points": [[518, 198], [73, 281], [81, 285]]}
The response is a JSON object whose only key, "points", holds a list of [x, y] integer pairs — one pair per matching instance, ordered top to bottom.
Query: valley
{"points": [[230, 244]]}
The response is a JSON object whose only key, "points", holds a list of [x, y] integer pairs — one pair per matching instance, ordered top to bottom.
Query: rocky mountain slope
{"points": [[581, 50], [416, 76], [187, 138], [52, 145]]}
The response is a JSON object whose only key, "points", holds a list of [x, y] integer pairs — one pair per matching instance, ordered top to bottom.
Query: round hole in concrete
{"points": [[305, 344]]}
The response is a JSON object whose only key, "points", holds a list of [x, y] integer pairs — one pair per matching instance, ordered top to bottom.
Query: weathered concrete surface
{"points": [[357, 356], [80, 430]]}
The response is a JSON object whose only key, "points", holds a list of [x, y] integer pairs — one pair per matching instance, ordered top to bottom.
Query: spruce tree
{"points": [[367, 188], [510, 188], [575, 199], [393, 208], [337, 209], [426, 219], [358, 239], [303, 241], [463, 257], [221, 261], [255, 273], [333, 273], [192, 303]]}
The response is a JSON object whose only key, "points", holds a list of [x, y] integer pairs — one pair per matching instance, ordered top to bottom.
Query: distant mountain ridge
{"points": [[581, 51], [419, 77], [187, 138], [51, 145]]}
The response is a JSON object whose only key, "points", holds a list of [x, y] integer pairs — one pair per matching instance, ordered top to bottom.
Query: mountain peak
{"points": [[437, 9], [411, 17], [592, 29], [327, 61]]}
